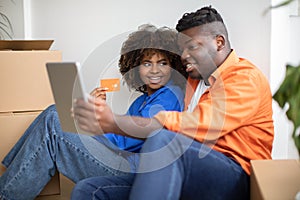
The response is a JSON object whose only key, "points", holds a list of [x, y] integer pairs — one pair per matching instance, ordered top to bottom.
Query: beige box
{"points": [[24, 83], [25, 92], [13, 125], [274, 179]]}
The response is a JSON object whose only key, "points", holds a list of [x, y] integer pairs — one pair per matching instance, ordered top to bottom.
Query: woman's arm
{"points": [[99, 92]]}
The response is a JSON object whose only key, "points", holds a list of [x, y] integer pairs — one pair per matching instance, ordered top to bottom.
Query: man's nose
{"points": [[185, 55]]}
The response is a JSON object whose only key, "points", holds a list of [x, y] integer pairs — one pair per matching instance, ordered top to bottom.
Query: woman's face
{"points": [[155, 71]]}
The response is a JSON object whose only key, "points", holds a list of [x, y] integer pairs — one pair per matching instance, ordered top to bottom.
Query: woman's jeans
{"points": [[45, 149], [172, 167]]}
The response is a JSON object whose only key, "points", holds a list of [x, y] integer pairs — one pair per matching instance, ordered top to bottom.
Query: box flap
{"points": [[25, 44]]}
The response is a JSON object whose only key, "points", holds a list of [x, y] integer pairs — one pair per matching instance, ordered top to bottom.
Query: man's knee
{"points": [[165, 138], [159, 139], [113, 188], [81, 190]]}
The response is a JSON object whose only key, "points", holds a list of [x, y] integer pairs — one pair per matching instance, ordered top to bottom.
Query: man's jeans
{"points": [[45, 149], [172, 167]]}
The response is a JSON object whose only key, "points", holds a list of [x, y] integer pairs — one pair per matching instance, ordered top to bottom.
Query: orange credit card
{"points": [[112, 84]]}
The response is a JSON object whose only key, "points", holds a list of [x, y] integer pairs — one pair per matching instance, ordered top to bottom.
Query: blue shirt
{"points": [[169, 97]]}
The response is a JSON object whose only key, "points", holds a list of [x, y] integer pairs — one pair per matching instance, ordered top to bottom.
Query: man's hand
{"points": [[93, 116], [96, 117]]}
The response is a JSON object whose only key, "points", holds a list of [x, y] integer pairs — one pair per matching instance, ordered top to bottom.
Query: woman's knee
{"points": [[49, 109]]}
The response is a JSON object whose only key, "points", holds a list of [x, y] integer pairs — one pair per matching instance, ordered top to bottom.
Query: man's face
{"points": [[199, 50]]}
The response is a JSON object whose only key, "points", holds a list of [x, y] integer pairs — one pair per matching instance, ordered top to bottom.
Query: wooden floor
{"points": [[66, 187]]}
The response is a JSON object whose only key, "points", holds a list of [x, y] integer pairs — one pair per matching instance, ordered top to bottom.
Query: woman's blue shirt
{"points": [[169, 98]]}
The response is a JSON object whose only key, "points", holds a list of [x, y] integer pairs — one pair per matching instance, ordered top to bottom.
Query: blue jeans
{"points": [[44, 149], [172, 167]]}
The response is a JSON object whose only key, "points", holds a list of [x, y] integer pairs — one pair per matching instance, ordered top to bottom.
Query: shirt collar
{"points": [[229, 61], [160, 90], [148, 99]]}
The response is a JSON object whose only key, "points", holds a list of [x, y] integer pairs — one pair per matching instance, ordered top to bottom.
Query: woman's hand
{"points": [[99, 92], [94, 116]]}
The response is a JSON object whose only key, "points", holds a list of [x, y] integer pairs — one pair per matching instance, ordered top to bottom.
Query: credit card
{"points": [[112, 84]]}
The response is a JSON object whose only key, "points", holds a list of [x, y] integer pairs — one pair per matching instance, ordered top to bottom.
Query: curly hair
{"points": [[202, 16], [146, 41]]}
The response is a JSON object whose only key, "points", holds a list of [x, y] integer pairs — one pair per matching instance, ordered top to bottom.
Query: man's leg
{"points": [[43, 149], [173, 166], [103, 187]]}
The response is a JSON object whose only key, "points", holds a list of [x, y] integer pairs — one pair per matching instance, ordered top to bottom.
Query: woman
{"points": [[149, 63]]}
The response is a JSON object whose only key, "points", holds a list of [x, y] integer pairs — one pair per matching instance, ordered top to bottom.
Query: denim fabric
{"points": [[44, 149], [172, 167], [198, 172], [104, 188]]}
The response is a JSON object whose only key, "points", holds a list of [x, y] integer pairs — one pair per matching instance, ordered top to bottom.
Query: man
{"points": [[205, 151]]}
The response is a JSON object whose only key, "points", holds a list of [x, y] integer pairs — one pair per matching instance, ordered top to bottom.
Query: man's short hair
{"points": [[202, 16]]}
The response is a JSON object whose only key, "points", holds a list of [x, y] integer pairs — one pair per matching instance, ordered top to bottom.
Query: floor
{"points": [[66, 187]]}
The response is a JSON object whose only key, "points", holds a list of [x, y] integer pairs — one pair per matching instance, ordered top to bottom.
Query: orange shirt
{"points": [[233, 116]]}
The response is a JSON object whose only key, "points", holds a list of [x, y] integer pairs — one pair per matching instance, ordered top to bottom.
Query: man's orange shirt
{"points": [[233, 116]]}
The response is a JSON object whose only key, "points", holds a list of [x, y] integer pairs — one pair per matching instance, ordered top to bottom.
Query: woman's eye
{"points": [[147, 64], [163, 64]]}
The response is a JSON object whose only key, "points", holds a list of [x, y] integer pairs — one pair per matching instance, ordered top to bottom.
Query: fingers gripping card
{"points": [[112, 84]]}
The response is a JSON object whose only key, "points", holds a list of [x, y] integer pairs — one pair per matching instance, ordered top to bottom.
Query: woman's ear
{"points": [[220, 42]]}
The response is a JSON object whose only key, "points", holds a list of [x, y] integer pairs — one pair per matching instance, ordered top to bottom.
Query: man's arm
{"points": [[96, 117], [136, 127]]}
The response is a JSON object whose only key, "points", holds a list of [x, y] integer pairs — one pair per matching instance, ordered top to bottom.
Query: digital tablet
{"points": [[66, 84]]}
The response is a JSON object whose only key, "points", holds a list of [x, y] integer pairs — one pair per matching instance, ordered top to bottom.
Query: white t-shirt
{"points": [[201, 87]]}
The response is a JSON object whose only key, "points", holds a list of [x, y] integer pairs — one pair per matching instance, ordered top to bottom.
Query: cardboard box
{"points": [[24, 83], [25, 92], [13, 126], [275, 179], [52, 187]]}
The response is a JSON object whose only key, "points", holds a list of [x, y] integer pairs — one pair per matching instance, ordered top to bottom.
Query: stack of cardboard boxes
{"points": [[25, 92]]}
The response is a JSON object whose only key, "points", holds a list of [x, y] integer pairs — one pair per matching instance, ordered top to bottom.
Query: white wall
{"points": [[79, 26], [82, 27], [284, 49]]}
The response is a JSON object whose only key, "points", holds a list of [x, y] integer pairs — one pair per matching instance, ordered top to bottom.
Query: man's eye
{"points": [[193, 47]]}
